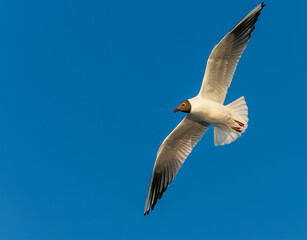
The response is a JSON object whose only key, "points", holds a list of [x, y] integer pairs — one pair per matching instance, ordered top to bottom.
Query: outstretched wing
{"points": [[225, 56], [171, 155]]}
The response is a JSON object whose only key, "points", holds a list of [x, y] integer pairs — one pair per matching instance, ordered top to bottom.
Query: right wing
{"points": [[225, 56], [171, 155]]}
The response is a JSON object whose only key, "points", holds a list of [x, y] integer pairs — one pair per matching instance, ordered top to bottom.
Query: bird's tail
{"points": [[228, 134]]}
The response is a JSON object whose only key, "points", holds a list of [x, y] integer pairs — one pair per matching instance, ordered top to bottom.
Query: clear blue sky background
{"points": [[87, 90]]}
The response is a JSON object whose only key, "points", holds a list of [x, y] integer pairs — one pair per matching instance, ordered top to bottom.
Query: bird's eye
{"points": [[183, 104]]}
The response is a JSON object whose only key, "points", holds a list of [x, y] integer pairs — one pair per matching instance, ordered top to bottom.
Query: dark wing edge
{"points": [[252, 16], [171, 155]]}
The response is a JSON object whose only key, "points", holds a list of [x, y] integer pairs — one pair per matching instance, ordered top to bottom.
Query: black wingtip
{"points": [[262, 4]]}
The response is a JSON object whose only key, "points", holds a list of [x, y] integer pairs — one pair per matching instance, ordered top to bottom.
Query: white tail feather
{"points": [[239, 106], [227, 135]]}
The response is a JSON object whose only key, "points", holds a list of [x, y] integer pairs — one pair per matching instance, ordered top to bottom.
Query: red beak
{"points": [[176, 110]]}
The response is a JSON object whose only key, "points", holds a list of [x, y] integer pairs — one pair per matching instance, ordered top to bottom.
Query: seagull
{"points": [[207, 108]]}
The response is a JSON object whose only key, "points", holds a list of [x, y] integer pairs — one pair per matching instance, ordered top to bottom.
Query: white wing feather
{"points": [[225, 56], [171, 155]]}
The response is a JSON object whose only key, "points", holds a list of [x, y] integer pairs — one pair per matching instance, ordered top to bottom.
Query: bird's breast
{"points": [[209, 111]]}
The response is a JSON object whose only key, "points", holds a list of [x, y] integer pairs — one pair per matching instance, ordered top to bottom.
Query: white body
{"points": [[209, 111], [215, 113]]}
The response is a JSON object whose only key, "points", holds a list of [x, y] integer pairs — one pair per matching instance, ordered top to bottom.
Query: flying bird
{"points": [[207, 108]]}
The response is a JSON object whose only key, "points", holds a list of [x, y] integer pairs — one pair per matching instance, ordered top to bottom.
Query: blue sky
{"points": [[87, 90]]}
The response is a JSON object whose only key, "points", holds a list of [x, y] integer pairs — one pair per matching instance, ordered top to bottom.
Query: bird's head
{"points": [[184, 106]]}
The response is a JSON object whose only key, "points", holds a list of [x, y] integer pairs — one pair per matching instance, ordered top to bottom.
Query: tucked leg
{"points": [[241, 124], [236, 128]]}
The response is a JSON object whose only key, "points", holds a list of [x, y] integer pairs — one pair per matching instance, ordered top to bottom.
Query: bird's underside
{"points": [[180, 142]]}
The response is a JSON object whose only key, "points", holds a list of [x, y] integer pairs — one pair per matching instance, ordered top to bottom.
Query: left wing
{"points": [[225, 56], [171, 155]]}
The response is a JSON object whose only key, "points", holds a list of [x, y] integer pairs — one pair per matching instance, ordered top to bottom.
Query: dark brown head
{"points": [[185, 106]]}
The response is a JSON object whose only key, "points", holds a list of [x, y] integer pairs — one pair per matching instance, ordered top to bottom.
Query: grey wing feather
{"points": [[225, 56], [171, 155]]}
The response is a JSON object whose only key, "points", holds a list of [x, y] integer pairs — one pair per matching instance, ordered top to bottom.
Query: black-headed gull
{"points": [[206, 108]]}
